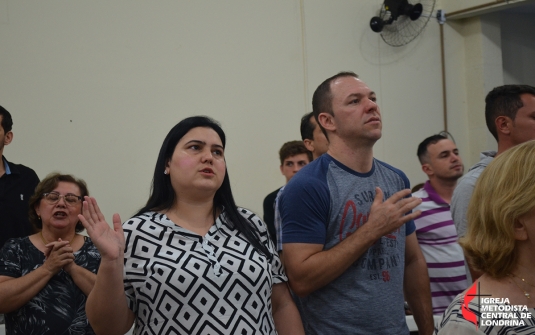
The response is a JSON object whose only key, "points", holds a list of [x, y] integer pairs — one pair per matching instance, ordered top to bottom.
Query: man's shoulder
{"points": [[486, 158], [388, 167], [20, 168], [392, 172], [312, 173], [470, 178], [309, 183], [463, 191]]}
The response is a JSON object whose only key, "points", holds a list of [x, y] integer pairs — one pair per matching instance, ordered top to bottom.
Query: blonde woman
{"points": [[500, 243]]}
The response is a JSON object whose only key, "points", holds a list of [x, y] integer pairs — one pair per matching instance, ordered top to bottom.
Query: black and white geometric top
{"points": [[178, 282]]}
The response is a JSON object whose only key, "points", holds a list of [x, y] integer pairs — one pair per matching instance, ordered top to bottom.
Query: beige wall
{"points": [[469, 8], [518, 47], [476, 63], [95, 86]]}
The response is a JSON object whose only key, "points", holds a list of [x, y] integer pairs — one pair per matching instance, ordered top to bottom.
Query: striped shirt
{"points": [[438, 240]]}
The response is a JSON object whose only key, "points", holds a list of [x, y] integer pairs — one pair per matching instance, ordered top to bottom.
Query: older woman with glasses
{"points": [[45, 277]]}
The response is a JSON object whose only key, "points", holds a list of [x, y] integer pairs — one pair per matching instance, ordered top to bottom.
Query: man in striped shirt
{"points": [[435, 229]]}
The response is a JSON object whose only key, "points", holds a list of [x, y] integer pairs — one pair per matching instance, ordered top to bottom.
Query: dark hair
{"points": [[322, 100], [504, 101], [7, 121], [307, 127], [422, 147], [292, 148], [48, 185], [163, 196]]}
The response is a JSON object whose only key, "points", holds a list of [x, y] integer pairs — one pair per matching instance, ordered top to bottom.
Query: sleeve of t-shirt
{"points": [[304, 207], [410, 227], [10, 259]]}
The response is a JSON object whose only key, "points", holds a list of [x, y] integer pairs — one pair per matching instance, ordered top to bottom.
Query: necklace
{"points": [[46, 242], [525, 281], [525, 292]]}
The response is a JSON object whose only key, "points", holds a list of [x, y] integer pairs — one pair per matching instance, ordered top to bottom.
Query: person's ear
{"points": [[327, 121], [503, 124], [8, 137], [309, 144], [167, 169], [427, 169], [37, 210], [521, 233]]}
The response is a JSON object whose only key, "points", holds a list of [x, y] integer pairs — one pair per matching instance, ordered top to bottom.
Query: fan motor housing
{"points": [[400, 21]]}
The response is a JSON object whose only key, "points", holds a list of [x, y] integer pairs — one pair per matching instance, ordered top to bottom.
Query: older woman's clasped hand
{"points": [[109, 242], [59, 255]]}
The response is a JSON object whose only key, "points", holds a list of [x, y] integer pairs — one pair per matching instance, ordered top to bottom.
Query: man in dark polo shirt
{"points": [[17, 184]]}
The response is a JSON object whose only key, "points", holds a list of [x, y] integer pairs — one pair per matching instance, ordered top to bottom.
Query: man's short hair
{"points": [[322, 100], [504, 101], [7, 122], [307, 128], [422, 147], [292, 148]]}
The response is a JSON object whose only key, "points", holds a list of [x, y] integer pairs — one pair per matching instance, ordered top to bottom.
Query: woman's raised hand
{"points": [[109, 242]]}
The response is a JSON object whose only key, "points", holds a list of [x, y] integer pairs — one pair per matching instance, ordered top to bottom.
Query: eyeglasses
{"points": [[70, 199]]}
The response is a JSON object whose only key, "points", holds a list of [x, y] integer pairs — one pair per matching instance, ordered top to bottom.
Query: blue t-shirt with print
{"points": [[325, 203]]}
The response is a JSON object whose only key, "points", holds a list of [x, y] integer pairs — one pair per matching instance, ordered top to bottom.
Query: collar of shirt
{"points": [[6, 166], [433, 194]]}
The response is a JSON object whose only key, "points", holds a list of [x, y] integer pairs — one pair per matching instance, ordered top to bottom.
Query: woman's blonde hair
{"points": [[504, 192]]}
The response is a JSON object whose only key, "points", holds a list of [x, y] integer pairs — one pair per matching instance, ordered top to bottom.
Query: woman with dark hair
{"points": [[190, 261], [45, 277]]}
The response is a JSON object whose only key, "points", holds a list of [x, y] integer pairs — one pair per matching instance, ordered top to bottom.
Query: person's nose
{"points": [[371, 106], [207, 156], [61, 201]]}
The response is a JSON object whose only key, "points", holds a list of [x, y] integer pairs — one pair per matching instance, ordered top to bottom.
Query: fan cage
{"points": [[403, 30]]}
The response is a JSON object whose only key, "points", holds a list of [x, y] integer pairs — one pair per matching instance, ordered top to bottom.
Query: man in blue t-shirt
{"points": [[348, 233]]}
